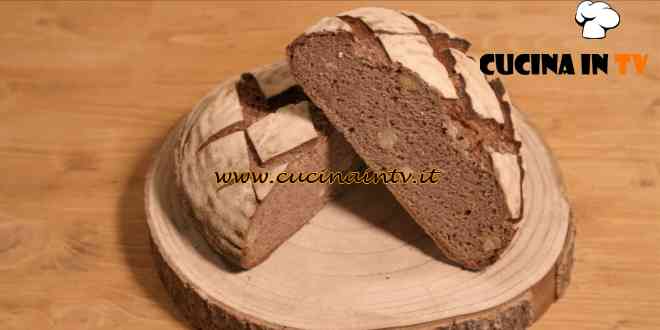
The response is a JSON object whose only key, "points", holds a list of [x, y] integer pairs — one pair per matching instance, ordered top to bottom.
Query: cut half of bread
{"points": [[403, 92], [258, 123]]}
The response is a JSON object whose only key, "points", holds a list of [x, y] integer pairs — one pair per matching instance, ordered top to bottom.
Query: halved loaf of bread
{"points": [[406, 96], [259, 123]]}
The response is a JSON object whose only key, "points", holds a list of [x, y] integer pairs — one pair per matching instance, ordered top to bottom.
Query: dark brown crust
{"points": [[517, 314]]}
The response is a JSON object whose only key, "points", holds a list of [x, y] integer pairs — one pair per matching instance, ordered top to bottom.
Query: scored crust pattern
{"points": [[483, 98], [282, 131], [216, 138], [207, 309]]}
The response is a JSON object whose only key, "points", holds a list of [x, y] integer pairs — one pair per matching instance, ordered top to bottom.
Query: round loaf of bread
{"points": [[402, 90], [259, 123]]}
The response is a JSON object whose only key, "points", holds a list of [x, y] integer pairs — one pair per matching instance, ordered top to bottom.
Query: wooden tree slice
{"points": [[362, 263]]}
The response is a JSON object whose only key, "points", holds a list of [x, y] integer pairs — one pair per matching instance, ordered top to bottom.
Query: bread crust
{"points": [[404, 55], [240, 127]]}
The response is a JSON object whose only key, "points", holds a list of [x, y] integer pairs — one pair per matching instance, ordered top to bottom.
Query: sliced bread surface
{"points": [[405, 95]]}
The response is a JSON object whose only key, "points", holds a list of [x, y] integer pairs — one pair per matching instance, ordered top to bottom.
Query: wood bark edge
{"points": [[518, 313]]}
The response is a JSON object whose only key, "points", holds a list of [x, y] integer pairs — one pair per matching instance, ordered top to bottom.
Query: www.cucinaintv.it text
{"points": [[393, 176]]}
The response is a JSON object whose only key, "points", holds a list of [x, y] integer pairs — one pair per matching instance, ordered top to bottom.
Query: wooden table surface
{"points": [[88, 90]]}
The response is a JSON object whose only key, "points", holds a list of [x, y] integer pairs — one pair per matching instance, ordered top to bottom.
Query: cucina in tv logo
{"points": [[595, 19], [561, 64]]}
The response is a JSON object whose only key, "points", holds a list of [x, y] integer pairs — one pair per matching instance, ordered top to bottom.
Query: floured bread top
{"points": [[383, 20], [329, 24], [434, 26], [407, 39], [415, 53], [275, 80], [484, 100], [224, 110], [287, 128], [216, 138], [509, 168], [509, 177]]}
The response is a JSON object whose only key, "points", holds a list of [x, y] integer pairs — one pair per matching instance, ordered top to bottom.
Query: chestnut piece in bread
{"points": [[406, 96], [259, 123]]}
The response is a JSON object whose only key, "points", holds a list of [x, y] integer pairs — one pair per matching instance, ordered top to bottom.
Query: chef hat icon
{"points": [[596, 18]]}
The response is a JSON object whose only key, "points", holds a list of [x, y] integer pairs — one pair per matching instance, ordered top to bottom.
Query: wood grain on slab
{"points": [[88, 91], [361, 263]]}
